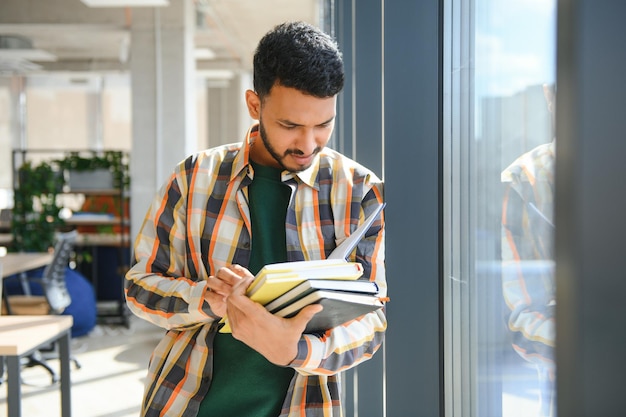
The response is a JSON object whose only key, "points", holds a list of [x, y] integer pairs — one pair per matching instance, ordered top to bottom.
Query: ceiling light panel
{"points": [[126, 3]]}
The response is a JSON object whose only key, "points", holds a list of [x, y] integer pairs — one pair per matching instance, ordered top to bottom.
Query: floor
{"points": [[114, 360], [109, 383]]}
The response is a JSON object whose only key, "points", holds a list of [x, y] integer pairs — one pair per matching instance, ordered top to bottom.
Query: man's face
{"points": [[294, 127]]}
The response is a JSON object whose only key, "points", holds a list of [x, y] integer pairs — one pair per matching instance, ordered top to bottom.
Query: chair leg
{"points": [[51, 352], [36, 360], [76, 363]]}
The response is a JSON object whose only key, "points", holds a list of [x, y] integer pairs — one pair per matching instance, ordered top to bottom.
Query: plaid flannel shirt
{"points": [[199, 222], [528, 253]]}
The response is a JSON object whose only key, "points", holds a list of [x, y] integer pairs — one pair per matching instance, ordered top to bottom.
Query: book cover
{"points": [[347, 246], [269, 285], [308, 286], [339, 308]]}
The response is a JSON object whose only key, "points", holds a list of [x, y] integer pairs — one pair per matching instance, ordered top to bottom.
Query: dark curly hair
{"points": [[301, 56]]}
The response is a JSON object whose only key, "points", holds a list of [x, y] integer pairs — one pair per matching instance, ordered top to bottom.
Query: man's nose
{"points": [[307, 142]]}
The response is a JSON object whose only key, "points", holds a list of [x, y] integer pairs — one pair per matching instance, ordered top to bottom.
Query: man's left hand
{"points": [[274, 337]]}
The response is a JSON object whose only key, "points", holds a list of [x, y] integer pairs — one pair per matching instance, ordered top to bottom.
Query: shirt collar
{"points": [[242, 158], [241, 165], [308, 176]]}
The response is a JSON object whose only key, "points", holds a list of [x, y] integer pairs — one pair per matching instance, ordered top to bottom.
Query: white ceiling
{"points": [[98, 39]]}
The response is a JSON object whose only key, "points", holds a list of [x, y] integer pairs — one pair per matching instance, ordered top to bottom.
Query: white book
{"points": [[310, 285], [339, 308]]}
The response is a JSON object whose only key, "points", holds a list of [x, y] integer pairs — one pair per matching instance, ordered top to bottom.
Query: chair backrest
{"points": [[5, 218], [53, 278]]}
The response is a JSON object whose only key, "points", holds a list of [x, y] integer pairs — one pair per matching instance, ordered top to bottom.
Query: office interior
{"points": [[441, 96]]}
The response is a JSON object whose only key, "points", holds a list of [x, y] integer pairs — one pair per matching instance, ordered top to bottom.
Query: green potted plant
{"points": [[95, 170], [35, 211]]}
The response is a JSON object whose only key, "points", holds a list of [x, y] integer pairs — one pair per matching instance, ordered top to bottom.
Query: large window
{"points": [[61, 111], [70, 111], [499, 291]]}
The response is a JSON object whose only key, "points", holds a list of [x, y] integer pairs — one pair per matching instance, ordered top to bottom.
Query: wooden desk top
{"points": [[13, 263], [20, 334]]}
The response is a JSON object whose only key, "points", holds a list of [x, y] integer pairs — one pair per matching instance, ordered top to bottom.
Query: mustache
{"points": [[298, 152]]}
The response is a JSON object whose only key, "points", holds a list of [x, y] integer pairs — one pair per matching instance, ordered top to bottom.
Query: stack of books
{"points": [[286, 288], [342, 300]]}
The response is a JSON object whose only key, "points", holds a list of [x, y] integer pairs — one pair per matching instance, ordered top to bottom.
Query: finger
{"points": [[240, 271], [227, 275], [218, 286], [239, 289], [213, 298], [216, 302], [240, 303], [306, 314]]}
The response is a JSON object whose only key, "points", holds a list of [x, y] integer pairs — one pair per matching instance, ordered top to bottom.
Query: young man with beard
{"points": [[279, 196]]}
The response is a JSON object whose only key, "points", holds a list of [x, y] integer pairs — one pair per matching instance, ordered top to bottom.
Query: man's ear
{"points": [[254, 104]]}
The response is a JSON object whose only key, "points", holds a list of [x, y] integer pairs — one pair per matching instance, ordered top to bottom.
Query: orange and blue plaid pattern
{"points": [[528, 253]]}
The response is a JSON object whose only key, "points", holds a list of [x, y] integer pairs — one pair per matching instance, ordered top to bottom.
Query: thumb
{"points": [[241, 287], [306, 314]]}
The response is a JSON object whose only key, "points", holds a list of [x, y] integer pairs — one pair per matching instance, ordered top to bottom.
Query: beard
{"points": [[280, 159]]}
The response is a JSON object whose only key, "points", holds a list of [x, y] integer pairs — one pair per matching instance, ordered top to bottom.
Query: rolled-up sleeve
{"points": [[157, 288], [346, 346]]}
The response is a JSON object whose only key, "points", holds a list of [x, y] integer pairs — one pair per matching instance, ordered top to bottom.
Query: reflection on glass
{"points": [[510, 162], [527, 261]]}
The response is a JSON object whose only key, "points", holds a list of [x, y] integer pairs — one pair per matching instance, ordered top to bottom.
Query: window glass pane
{"points": [[61, 111], [78, 112], [116, 112], [9, 132], [502, 232]]}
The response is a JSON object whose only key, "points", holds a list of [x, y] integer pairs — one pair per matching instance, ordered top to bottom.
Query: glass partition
{"points": [[500, 154]]}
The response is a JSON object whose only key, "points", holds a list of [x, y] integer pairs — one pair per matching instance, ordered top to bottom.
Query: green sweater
{"points": [[244, 382]]}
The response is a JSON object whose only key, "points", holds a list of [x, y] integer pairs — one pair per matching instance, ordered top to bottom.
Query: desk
{"points": [[14, 263], [22, 335]]}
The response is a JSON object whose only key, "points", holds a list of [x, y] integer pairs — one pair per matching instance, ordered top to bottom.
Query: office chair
{"points": [[55, 298]]}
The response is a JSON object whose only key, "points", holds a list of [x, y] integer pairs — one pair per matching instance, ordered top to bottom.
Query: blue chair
{"points": [[49, 294]]}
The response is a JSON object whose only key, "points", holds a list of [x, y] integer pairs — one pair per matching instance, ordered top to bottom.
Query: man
{"points": [[281, 195]]}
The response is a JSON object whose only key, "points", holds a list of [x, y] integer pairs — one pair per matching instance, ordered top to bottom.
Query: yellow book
{"points": [[281, 275]]}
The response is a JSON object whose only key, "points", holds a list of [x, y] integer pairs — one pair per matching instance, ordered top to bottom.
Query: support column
{"points": [[163, 95], [227, 112], [359, 135], [589, 209]]}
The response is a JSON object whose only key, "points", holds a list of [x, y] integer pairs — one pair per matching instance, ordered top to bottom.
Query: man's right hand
{"points": [[221, 285]]}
